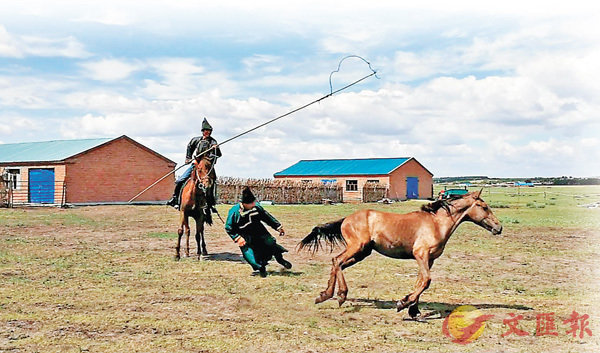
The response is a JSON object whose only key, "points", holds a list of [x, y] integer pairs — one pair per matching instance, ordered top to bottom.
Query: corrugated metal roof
{"points": [[46, 151], [335, 167]]}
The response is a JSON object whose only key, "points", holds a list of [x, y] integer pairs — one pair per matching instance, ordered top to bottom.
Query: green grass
{"points": [[163, 235], [104, 279]]}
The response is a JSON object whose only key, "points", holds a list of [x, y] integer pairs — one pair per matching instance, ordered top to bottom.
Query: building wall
{"points": [[116, 172], [398, 177], [21, 193], [349, 196]]}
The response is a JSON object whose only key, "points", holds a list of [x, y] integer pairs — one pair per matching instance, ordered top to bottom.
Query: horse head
{"points": [[203, 173], [479, 212]]}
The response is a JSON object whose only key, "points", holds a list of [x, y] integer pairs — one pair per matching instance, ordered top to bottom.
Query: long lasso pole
{"points": [[258, 127]]}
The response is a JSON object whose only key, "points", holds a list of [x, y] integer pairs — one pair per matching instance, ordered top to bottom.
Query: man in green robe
{"points": [[244, 225]]}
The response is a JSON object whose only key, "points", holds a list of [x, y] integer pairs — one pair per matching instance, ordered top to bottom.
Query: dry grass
{"points": [[104, 279]]}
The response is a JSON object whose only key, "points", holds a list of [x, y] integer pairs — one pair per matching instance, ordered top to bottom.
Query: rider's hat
{"points": [[206, 125], [247, 196]]}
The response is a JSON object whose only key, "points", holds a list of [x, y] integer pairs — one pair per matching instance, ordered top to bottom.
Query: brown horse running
{"points": [[193, 201], [420, 235]]}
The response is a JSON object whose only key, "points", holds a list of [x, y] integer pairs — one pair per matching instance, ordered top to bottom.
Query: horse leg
{"points": [[179, 235], [187, 237], [200, 238], [204, 251], [353, 259], [337, 261], [423, 281], [328, 293], [413, 310]]}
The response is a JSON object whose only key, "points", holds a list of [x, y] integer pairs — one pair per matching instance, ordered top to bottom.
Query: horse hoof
{"points": [[177, 257], [321, 298], [341, 301], [401, 305], [414, 312]]}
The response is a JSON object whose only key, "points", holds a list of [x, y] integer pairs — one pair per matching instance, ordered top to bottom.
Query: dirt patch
{"points": [[104, 279]]}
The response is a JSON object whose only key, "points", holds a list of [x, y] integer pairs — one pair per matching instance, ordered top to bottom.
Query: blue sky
{"points": [[507, 89]]}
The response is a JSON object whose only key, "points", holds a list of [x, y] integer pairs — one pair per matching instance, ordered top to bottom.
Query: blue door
{"points": [[41, 185], [412, 188]]}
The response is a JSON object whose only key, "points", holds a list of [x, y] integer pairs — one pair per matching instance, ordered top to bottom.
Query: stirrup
{"points": [[174, 202]]}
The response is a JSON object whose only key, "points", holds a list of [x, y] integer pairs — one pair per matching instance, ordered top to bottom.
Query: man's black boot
{"points": [[174, 201], [283, 262], [263, 271]]}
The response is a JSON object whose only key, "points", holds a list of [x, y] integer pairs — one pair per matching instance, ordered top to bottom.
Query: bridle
{"points": [[203, 179]]}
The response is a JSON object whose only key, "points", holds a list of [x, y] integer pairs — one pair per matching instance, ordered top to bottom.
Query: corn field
{"points": [[278, 191], [373, 192], [3, 193]]}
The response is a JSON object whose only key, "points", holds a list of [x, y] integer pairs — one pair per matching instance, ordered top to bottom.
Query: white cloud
{"points": [[110, 17], [8, 45], [22, 46], [68, 47], [263, 64], [176, 68], [109, 70], [30, 93], [502, 95], [389, 122], [453, 126]]}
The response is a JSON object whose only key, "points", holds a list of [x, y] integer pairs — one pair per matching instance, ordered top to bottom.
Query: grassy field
{"points": [[95, 279]]}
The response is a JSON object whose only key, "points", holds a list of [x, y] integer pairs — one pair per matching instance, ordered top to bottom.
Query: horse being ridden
{"points": [[193, 203], [420, 235]]}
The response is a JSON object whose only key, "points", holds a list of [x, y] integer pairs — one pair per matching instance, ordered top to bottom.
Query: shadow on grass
{"points": [[224, 256], [232, 257], [284, 273], [438, 310]]}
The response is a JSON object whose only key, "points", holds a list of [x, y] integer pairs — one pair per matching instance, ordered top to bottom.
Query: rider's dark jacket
{"points": [[198, 145]]}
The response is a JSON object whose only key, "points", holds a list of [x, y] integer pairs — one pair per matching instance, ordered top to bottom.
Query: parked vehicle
{"points": [[449, 193]]}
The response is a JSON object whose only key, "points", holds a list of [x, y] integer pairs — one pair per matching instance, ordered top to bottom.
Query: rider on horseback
{"points": [[197, 146]]}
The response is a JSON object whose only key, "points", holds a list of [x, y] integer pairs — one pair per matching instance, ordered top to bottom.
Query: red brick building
{"points": [[84, 171], [404, 178]]}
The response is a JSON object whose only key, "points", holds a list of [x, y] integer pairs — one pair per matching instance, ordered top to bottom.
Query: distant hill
{"points": [[459, 179]]}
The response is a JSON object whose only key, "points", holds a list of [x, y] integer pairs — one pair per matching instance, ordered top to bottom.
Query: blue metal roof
{"points": [[46, 151], [339, 167]]}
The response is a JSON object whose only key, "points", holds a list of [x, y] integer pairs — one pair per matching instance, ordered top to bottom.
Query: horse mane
{"points": [[433, 207]]}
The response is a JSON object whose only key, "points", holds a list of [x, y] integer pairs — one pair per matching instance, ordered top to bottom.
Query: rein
{"points": [[207, 176], [201, 187]]}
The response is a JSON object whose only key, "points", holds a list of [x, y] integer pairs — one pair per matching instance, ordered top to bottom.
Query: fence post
{"points": [[10, 195], [63, 198]]}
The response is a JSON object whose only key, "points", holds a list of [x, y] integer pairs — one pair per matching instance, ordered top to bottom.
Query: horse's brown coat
{"points": [[193, 200], [421, 235]]}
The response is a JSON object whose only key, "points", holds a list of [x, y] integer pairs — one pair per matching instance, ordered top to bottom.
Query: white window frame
{"points": [[13, 178], [354, 184]]}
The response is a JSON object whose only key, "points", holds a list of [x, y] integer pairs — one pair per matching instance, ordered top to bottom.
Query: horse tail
{"points": [[330, 232]]}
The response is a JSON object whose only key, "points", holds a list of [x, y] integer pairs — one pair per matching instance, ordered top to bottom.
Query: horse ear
{"points": [[477, 194]]}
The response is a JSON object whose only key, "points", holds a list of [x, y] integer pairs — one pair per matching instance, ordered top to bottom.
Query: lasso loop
{"points": [[340, 64]]}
